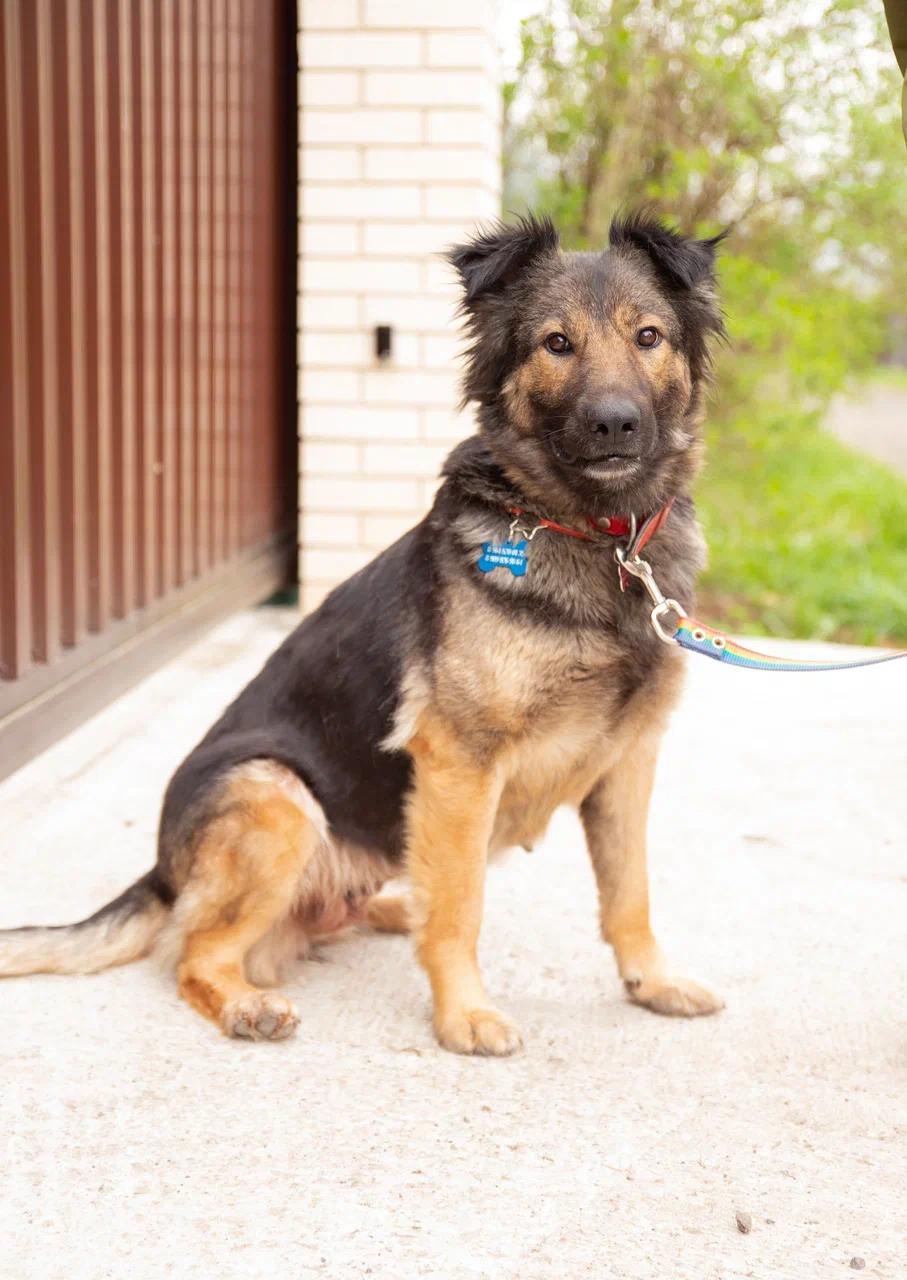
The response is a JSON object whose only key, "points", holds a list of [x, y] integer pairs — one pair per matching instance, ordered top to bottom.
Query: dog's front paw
{"points": [[676, 997], [260, 1015], [481, 1031]]}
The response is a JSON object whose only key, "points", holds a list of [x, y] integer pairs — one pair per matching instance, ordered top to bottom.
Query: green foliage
{"points": [[785, 126], [806, 537]]}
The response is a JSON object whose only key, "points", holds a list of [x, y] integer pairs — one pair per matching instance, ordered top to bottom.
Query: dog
{"points": [[487, 668]]}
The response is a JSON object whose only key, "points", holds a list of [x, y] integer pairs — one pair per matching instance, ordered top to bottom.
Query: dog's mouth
{"points": [[601, 466]]}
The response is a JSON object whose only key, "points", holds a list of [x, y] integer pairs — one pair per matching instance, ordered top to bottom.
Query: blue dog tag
{"points": [[504, 555]]}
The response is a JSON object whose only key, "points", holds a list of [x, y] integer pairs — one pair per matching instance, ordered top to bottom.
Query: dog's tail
{"points": [[124, 930]]}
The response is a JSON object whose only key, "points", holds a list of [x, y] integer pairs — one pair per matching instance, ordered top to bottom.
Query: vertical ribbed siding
{"points": [[144, 272], [15, 453]]}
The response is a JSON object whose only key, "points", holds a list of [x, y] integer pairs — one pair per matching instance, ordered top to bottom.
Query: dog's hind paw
{"points": [[676, 997], [261, 1015], [479, 1031]]}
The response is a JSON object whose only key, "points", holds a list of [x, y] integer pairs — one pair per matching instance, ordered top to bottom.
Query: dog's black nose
{"points": [[616, 424]]}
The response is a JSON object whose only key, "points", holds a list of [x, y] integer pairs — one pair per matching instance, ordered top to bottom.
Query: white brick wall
{"points": [[399, 157]]}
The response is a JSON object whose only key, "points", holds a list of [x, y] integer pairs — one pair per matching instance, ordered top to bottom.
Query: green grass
{"points": [[891, 376], [806, 537]]}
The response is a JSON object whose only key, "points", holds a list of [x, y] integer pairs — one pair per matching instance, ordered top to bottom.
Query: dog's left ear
{"points": [[491, 261], [682, 262], [686, 268]]}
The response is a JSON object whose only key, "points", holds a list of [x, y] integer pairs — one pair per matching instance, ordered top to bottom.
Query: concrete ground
{"points": [[875, 422], [139, 1143]]}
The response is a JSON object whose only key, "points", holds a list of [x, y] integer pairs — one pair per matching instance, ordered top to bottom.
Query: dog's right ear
{"points": [[493, 259]]}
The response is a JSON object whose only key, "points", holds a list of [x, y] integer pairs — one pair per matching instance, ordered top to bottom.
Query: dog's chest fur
{"points": [[552, 702]]}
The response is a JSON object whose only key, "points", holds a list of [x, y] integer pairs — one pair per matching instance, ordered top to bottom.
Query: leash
{"points": [[688, 633], [696, 637]]}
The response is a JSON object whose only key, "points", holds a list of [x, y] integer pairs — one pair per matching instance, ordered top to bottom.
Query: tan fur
{"points": [[515, 730], [614, 816], [450, 817], [245, 879], [265, 881], [390, 913], [88, 949]]}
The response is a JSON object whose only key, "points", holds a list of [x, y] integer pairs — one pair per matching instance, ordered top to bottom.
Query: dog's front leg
{"points": [[615, 816], [450, 817]]}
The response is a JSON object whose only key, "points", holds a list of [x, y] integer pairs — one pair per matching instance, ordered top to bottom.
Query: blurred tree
{"points": [[778, 119]]}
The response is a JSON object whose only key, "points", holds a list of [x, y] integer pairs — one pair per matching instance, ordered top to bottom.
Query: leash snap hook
{"points": [[662, 605]]}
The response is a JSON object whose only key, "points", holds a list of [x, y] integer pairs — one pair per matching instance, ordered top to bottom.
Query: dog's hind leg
{"points": [[615, 815], [245, 877], [390, 912]]}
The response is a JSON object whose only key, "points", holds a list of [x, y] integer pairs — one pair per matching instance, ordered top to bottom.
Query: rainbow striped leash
{"points": [[695, 636]]}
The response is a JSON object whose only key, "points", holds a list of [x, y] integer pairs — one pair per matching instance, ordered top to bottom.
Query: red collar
{"points": [[613, 526]]}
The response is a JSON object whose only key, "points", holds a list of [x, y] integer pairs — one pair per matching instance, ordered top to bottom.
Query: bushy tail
{"points": [[122, 931]]}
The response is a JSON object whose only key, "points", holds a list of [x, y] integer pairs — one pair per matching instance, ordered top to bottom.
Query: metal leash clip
{"points": [[662, 605]]}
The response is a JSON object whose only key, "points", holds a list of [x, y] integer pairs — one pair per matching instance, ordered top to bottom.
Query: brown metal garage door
{"points": [[147, 475]]}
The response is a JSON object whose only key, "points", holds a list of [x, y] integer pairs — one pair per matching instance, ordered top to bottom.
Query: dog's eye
{"points": [[648, 337], [558, 343]]}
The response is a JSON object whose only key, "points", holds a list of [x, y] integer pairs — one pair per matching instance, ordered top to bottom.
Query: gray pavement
{"points": [[875, 422], [139, 1143]]}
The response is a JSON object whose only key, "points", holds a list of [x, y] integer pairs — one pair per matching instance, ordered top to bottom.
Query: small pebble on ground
{"points": [[744, 1223], [857, 1264]]}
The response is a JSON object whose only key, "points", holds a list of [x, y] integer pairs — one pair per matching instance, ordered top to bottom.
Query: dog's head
{"points": [[589, 367]]}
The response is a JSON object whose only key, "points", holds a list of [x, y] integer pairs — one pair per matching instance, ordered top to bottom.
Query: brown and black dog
{"points": [[436, 710]]}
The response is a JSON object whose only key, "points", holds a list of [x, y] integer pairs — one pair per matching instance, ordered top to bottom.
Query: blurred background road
{"points": [[874, 421]]}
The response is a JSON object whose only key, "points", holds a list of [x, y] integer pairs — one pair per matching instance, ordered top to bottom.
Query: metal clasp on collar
{"points": [[516, 527], [662, 605]]}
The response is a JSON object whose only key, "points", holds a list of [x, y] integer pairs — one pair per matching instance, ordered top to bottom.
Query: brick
{"points": [[329, 13], [422, 13], [359, 49], [467, 49], [328, 88], [430, 89], [362, 126], [472, 127], [328, 164], [387, 164], [363, 200], [469, 201], [329, 237], [388, 238], [355, 275], [440, 277], [327, 311], [413, 312], [334, 350], [407, 350], [442, 351], [328, 385], [408, 388], [357, 422], [446, 425], [320, 458], [420, 460], [427, 491], [359, 494], [329, 530], [380, 531], [331, 565], [311, 595]]}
